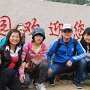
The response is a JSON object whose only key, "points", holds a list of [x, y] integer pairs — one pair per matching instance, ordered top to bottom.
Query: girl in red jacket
{"points": [[10, 56]]}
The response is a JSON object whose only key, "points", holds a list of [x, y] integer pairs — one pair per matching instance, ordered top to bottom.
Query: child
{"points": [[22, 29], [85, 41], [31, 49], [10, 61]]}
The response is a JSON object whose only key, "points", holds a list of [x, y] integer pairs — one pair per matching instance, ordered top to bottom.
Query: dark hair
{"points": [[38, 31], [87, 31], [9, 34], [39, 35], [83, 42]]}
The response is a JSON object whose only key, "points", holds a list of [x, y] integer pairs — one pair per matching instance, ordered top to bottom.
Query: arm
{"points": [[3, 41], [44, 49], [24, 52], [50, 52], [1, 53], [81, 53], [88, 55], [0, 59], [23, 65]]}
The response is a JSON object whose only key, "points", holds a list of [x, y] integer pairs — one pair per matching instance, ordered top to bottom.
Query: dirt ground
{"points": [[64, 85]]}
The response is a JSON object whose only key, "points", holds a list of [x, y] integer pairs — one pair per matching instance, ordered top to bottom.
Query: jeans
{"points": [[88, 66], [59, 68], [87, 69], [39, 75], [8, 78], [27, 80]]}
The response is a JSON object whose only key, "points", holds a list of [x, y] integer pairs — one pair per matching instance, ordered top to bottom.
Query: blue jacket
{"points": [[2, 42], [65, 53]]}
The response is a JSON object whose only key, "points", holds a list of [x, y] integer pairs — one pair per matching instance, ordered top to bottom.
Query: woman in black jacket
{"points": [[85, 41], [10, 56]]}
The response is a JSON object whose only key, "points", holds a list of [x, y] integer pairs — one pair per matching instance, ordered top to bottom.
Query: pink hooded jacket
{"points": [[27, 50]]}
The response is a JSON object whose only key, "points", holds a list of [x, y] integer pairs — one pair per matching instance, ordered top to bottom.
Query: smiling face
{"points": [[67, 34], [14, 38], [87, 38]]}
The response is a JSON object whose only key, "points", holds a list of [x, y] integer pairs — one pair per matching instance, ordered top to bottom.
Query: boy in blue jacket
{"points": [[66, 60]]}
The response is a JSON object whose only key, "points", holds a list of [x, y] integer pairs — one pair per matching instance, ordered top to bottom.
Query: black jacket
{"points": [[84, 44], [6, 59]]}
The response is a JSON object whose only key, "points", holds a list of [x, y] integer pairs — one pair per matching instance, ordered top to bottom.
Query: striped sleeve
{"points": [[24, 52], [81, 53]]}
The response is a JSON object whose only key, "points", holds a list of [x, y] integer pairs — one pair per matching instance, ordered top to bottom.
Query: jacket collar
{"points": [[8, 49]]}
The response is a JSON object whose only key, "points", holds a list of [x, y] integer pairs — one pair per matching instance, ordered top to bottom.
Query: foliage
{"points": [[80, 2]]}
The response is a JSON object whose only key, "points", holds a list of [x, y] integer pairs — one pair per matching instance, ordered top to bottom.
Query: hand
{"points": [[0, 62], [69, 63], [23, 64], [27, 65], [49, 71], [21, 79]]}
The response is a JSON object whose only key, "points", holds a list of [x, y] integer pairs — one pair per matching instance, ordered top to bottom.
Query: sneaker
{"points": [[52, 82], [84, 82], [31, 85], [77, 85], [40, 86]]}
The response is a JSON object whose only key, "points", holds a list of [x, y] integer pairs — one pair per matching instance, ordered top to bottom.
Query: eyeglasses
{"points": [[67, 30]]}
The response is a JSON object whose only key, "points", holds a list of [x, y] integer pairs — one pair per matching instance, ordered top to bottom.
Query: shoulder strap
{"points": [[75, 44], [58, 45]]}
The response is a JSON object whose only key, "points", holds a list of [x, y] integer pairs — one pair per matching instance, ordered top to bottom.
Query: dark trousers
{"points": [[88, 66], [59, 68], [39, 74], [8, 78]]}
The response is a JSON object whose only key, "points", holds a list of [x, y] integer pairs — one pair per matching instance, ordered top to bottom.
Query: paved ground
{"points": [[65, 85]]}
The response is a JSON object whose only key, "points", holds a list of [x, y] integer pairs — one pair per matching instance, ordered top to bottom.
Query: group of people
{"points": [[65, 54]]}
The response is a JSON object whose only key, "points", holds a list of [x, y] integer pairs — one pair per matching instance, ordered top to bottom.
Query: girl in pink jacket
{"points": [[30, 50]]}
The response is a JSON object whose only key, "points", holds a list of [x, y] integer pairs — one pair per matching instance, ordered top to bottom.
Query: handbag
{"points": [[38, 59], [35, 62]]}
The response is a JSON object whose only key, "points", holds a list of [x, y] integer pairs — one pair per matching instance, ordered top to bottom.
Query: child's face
{"points": [[14, 38], [87, 38], [38, 39]]}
